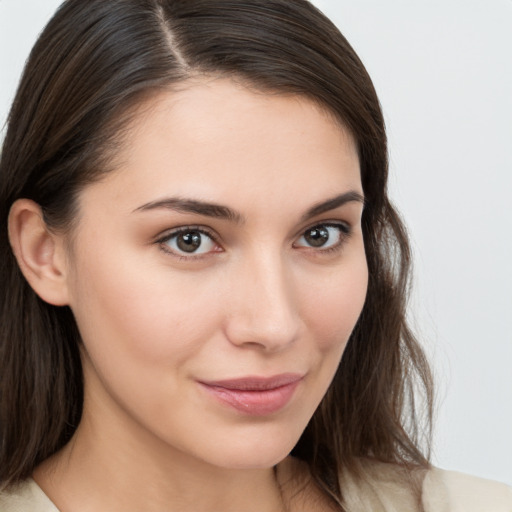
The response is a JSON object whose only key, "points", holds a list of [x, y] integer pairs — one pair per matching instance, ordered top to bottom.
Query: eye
{"points": [[323, 236], [188, 241]]}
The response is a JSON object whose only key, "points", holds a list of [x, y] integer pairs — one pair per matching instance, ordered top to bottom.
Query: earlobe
{"points": [[39, 252]]}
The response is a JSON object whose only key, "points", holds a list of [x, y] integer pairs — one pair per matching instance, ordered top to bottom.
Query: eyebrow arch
{"points": [[333, 203], [193, 206], [224, 212]]}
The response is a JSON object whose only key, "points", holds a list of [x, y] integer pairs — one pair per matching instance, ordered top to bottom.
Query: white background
{"points": [[443, 71]]}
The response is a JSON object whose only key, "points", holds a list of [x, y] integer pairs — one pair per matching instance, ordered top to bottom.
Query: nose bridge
{"points": [[264, 311]]}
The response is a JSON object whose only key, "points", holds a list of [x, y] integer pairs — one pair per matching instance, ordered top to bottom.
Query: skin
{"points": [[257, 300]]}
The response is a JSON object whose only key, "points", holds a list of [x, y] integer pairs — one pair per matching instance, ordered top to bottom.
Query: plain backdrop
{"points": [[443, 71]]}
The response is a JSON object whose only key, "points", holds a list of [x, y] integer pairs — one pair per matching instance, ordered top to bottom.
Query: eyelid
{"points": [[345, 226], [345, 230], [165, 236]]}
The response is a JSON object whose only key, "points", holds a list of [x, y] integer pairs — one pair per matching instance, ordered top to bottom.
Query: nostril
{"points": [[263, 310], [262, 328]]}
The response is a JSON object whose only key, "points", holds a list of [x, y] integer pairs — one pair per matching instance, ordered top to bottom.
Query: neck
{"points": [[113, 463], [130, 470], [133, 481]]}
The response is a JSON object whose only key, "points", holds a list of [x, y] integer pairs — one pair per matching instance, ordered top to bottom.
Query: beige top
{"points": [[443, 491]]}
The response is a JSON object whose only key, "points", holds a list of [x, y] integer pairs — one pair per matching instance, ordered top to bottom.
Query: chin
{"points": [[260, 452], [252, 461]]}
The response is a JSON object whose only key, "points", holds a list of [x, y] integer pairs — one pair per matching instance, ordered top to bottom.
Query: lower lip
{"points": [[256, 403]]}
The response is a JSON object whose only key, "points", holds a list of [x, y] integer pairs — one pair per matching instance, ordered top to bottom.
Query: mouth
{"points": [[257, 396]]}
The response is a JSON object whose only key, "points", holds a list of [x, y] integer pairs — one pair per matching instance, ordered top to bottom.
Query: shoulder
{"points": [[382, 487], [391, 488], [456, 492], [25, 497]]}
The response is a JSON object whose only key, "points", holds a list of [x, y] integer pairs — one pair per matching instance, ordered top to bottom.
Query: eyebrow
{"points": [[333, 203], [194, 206], [226, 213]]}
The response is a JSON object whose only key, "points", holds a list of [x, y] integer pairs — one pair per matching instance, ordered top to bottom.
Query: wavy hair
{"points": [[94, 62]]}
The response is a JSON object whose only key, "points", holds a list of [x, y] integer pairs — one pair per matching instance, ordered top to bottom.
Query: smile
{"points": [[257, 396]]}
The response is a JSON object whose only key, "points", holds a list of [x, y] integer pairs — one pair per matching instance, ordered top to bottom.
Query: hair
{"points": [[94, 62]]}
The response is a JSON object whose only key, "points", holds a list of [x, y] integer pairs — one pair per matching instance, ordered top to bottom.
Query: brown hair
{"points": [[90, 66]]}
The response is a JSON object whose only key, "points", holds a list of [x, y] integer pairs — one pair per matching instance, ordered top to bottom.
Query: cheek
{"points": [[332, 305], [141, 311]]}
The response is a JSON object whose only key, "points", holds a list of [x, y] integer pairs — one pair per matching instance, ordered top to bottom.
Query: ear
{"points": [[40, 253]]}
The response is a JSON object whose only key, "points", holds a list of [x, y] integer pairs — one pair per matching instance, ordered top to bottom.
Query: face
{"points": [[217, 274]]}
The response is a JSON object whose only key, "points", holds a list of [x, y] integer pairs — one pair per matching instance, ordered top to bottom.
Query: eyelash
{"points": [[343, 228], [345, 232], [163, 240]]}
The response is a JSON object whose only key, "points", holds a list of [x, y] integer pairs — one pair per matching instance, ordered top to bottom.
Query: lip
{"points": [[257, 396]]}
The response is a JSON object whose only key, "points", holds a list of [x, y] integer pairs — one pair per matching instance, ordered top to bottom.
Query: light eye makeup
{"points": [[324, 237], [189, 242], [196, 242]]}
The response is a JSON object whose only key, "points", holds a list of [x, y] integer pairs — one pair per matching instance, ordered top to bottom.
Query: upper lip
{"points": [[254, 383]]}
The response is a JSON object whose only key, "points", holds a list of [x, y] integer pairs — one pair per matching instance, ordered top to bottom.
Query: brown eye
{"points": [[323, 236], [317, 237], [190, 241]]}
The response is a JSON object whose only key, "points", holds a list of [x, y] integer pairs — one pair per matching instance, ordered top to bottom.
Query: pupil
{"points": [[317, 236], [189, 242]]}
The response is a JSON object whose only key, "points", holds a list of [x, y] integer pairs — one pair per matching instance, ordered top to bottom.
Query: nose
{"points": [[263, 312]]}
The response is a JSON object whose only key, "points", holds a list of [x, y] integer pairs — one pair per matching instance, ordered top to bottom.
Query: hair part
{"points": [[92, 66]]}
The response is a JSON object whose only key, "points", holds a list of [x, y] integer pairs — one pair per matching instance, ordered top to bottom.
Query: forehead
{"points": [[215, 138]]}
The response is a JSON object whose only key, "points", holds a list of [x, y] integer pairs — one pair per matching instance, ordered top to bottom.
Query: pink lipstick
{"points": [[255, 395]]}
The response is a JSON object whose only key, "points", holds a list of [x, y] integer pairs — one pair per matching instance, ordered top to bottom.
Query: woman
{"points": [[206, 281]]}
